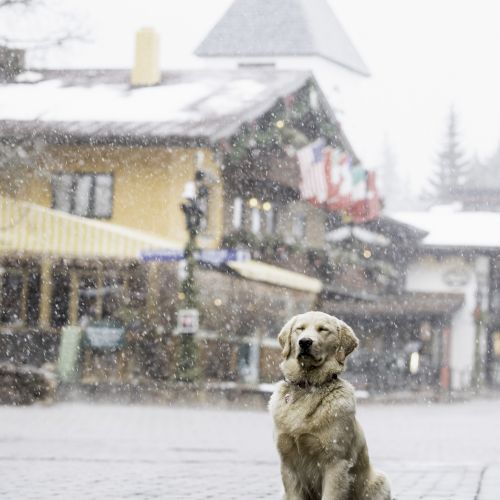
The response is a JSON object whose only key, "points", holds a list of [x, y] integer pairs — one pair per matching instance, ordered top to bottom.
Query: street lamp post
{"points": [[194, 196], [480, 317]]}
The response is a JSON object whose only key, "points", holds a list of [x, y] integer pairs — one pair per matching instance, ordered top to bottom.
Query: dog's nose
{"points": [[305, 344]]}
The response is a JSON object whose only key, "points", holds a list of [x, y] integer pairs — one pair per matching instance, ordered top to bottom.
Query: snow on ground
{"points": [[82, 451]]}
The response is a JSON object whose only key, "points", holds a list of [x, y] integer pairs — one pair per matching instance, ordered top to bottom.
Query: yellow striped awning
{"points": [[29, 228], [259, 271]]}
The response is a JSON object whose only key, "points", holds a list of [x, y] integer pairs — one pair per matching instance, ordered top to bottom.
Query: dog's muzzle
{"points": [[305, 347]]}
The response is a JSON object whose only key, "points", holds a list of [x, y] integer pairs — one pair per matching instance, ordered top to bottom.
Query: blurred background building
{"points": [[96, 165]]}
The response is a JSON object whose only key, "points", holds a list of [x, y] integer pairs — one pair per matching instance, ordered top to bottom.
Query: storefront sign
{"points": [[215, 257], [456, 276], [107, 335]]}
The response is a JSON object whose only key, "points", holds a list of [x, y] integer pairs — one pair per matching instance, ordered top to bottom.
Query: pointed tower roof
{"points": [[270, 28]]}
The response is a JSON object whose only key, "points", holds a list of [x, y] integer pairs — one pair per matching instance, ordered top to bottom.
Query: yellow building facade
{"points": [[147, 186]]}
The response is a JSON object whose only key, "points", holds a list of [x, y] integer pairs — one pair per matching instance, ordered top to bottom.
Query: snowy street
{"points": [[80, 451]]}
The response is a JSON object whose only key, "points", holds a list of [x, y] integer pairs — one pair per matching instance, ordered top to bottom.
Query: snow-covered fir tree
{"points": [[452, 166]]}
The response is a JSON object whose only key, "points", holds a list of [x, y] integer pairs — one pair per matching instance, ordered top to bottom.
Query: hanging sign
{"points": [[188, 321], [105, 334]]}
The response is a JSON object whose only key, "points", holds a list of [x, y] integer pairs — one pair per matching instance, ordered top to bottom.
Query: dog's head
{"points": [[315, 346]]}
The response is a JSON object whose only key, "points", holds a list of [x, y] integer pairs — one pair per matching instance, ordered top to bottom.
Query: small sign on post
{"points": [[187, 321]]}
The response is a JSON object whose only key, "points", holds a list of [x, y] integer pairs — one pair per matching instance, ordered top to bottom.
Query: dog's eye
{"points": [[299, 329], [323, 329]]}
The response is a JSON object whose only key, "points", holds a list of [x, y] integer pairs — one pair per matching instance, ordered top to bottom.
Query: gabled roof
{"points": [[258, 28], [100, 105]]}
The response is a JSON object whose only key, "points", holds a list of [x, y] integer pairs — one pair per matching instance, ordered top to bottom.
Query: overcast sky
{"points": [[424, 55]]}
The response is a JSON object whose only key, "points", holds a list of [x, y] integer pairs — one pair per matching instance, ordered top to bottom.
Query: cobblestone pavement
{"points": [[78, 451]]}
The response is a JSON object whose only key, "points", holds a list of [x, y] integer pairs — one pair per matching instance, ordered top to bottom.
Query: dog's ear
{"points": [[284, 337], [348, 342]]}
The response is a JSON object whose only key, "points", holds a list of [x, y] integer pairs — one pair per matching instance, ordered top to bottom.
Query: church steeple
{"points": [[282, 28]]}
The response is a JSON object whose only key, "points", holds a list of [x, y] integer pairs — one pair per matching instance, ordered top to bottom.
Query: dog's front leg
{"points": [[289, 454], [291, 483], [336, 483]]}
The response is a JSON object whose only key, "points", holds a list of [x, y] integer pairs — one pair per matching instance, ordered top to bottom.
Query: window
{"points": [[86, 195], [103, 195], [237, 212], [270, 215], [255, 220], [299, 226], [61, 288], [33, 290], [98, 294], [112, 295], [12, 296], [20, 296], [87, 297]]}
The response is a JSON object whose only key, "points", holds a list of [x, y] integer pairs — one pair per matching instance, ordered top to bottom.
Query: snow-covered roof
{"points": [[282, 28], [207, 105], [448, 227], [359, 233]]}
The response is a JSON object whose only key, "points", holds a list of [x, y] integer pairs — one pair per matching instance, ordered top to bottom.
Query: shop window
{"points": [[86, 195], [237, 212], [270, 217], [255, 220], [299, 226], [137, 283], [61, 287], [12, 296], [20, 296], [97, 296], [112, 296], [32, 297], [87, 297], [496, 344], [244, 360], [248, 362]]}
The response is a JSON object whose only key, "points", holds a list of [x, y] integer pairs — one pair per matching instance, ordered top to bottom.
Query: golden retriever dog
{"points": [[321, 445]]}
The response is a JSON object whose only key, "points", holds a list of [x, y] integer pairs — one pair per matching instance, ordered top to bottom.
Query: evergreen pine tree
{"points": [[452, 166]]}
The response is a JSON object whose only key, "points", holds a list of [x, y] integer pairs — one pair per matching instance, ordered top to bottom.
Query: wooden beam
{"points": [[45, 292]]}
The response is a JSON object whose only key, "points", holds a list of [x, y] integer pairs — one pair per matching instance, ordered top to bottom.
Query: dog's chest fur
{"points": [[307, 415]]}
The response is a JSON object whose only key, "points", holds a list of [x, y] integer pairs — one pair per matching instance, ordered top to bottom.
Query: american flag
{"points": [[313, 186]]}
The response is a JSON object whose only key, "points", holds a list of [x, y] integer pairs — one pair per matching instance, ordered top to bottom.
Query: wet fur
{"points": [[321, 445]]}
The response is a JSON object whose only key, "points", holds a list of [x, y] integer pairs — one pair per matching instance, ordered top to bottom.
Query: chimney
{"points": [[146, 70]]}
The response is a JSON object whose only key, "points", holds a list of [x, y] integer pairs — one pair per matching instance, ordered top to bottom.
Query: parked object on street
{"points": [[26, 384], [321, 445]]}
